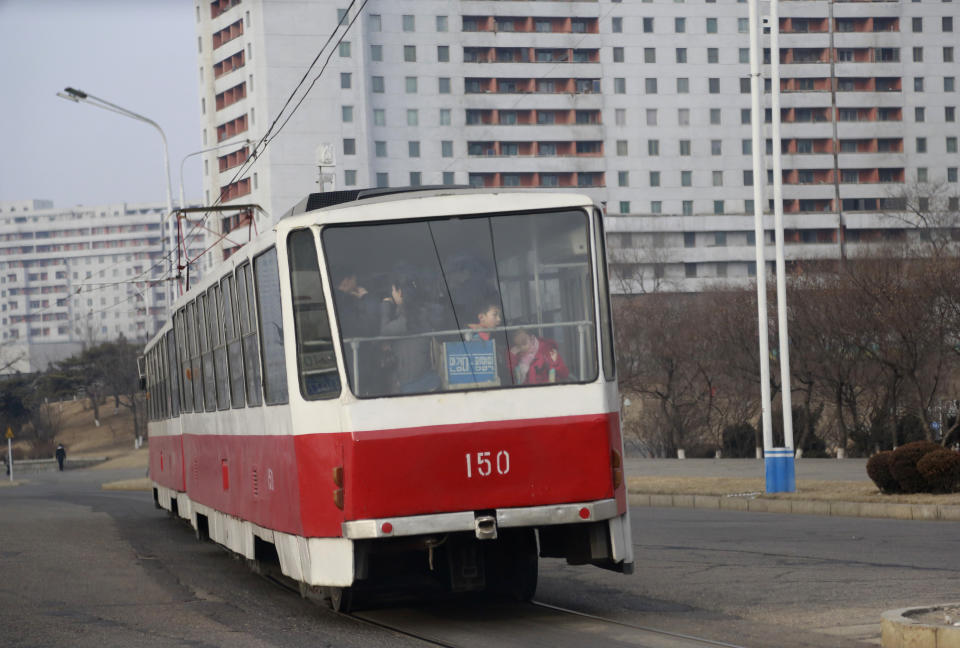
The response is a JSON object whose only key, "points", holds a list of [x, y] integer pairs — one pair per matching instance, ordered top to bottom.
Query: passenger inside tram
{"points": [[535, 360]]}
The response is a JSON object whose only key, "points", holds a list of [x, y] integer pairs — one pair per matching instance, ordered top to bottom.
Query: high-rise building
{"points": [[642, 105], [77, 276]]}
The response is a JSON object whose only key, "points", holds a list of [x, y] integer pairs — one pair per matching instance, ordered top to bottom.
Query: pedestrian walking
{"points": [[61, 455]]}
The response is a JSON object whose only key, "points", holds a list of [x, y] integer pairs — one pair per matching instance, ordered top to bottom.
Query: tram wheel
{"points": [[512, 565], [341, 599]]}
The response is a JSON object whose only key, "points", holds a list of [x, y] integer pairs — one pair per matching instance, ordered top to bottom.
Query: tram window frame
{"points": [[603, 289], [322, 326], [234, 342], [160, 352], [272, 352], [206, 354], [149, 366], [196, 368], [220, 368], [252, 371], [173, 374], [186, 389]]}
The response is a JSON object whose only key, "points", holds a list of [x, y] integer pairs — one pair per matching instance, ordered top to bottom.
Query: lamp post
{"points": [[79, 96], [183, 203]]}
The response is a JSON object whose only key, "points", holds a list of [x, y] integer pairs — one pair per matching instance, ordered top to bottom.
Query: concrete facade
{"points": [[643, 105], [76, 276]]}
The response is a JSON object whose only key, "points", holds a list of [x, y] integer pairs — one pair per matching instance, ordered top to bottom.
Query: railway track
{"points": [[481, 622]]}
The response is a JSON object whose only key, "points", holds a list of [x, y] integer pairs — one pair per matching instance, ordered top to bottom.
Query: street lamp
{"points": [[79, 96], [245, 142]]}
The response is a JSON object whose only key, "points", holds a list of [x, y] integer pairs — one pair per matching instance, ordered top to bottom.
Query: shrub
{"points": [[740, 441], [903, 465], [878, 469], [941, 470]]}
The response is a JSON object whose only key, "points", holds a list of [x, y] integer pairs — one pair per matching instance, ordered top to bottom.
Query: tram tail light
{"points": [[616, 467], [338, 491]]}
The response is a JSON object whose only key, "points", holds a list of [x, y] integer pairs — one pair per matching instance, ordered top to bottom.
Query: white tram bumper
{"points": [[621, 546]]}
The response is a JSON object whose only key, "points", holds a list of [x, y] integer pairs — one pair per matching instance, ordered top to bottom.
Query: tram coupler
{"points": [[485, 526]]}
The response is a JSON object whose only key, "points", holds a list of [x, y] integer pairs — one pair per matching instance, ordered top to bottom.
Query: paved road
{"points": [[821, 469], [84, 567]]}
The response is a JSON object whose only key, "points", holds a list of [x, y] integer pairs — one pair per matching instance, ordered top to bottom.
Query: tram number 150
{"points": [[484, 463]]}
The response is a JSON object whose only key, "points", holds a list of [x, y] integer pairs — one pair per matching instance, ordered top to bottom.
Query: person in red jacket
{"points": [[535, 360]]}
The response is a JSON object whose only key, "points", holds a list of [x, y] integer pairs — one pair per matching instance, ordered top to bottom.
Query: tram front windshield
{"points": [[452, 304]]}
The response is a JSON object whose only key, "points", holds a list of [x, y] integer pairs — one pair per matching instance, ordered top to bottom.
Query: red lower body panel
{"points": [[286, 483]]}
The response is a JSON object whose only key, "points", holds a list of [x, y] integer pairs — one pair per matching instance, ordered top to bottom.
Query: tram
{"points": [[419, 378]]}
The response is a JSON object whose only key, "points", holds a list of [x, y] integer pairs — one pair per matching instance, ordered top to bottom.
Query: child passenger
{"points": [[488, 318], [535, 360]]}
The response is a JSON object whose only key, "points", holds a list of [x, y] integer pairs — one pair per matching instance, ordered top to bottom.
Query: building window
{"points": [[376, 23], [409, 23], [441, 23], [947, 23], [616, 24], [917, 24], [648, 25], [680, 25], [711, 25], [743, 25], [344, 49], [376, 52], [410, 53], [443, 53], [681, 54], [618, 55], [649, 55], [713, 55], [918, 55], [948, 55], [344, 80], [410, 83], [376, 84], [713, 84], [918, 84], [948, 84], [443, 85], [619, 85], [650, 85], [683, 85], [919, 113], [949, 113], [346, 114], [620, 116], [651, 116], [683, 116], [715, 116], [379, 117], [413, 117], [921, 145], [951, 145], [349, 146], [621, 147], [653, 147], [684, 147], [716, 147], [446, 148], [380, 149], [413, 149], [951, 174], [350, 177], [448, 178], [623, 178], [654, 178], [686, 178], [718, 178], [747, 178], [415, 179], [382, 180], [624, 206], [656, 206], [687, 207], [718, 207]]}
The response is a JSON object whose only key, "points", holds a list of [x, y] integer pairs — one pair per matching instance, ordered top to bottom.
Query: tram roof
{"points": [[381, 204]]}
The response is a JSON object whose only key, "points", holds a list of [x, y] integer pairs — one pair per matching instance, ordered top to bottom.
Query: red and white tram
{"points": [[422, 377]]}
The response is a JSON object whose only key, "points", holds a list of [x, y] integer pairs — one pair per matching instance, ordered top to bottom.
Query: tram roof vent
{"points": [[330, 198]]}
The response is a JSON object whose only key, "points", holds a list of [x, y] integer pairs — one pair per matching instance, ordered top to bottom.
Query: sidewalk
{"points": [[821, 470]]}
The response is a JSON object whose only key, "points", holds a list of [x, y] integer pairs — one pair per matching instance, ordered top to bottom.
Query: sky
{"points": [[138, 54]]}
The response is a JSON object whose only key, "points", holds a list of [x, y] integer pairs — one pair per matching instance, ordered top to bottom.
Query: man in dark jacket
{"points": [[61, 455]]}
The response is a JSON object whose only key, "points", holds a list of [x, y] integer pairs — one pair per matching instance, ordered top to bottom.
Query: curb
{"points": [[927, 512], [899, 630]]}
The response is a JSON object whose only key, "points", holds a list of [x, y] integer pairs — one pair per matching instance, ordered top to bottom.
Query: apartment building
{"points": [[644, 105], [74, 276]]}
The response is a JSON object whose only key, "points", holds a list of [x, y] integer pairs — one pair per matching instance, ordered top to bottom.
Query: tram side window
{"points": [[267, 277], [248, 331], [606, 331], [231, 334], [219, 346], [160, 351], [184, 351], [206, 352], [316, 359], [196, 372], [173, 374]]}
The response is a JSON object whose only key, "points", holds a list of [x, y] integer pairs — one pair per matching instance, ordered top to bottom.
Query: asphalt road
{"points": [[85, 567]]}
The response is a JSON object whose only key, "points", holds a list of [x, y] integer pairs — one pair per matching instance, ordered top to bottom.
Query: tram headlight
{"points": [[616, 468]]}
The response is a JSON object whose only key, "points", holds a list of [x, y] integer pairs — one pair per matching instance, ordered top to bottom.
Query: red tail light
{"points": [[616, 468]]}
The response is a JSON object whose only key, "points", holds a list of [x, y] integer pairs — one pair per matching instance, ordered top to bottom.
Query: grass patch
{"points": [[809, 490]]}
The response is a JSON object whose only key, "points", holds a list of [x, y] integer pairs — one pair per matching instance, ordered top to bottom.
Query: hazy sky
{"points": [[138, 54]]}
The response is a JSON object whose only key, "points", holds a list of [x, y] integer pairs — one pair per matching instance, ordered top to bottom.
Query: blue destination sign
{"points": [[472, 362]]}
